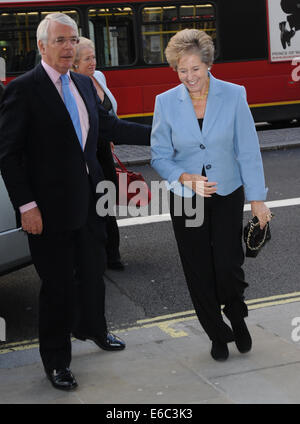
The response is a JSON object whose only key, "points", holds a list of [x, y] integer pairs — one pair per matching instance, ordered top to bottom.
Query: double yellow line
{"points": [[165, 322]]}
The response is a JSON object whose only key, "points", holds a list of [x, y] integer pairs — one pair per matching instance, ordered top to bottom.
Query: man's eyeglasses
{"points": [[61, 41]]}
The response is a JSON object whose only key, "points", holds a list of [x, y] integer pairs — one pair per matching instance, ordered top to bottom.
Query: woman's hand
{"points": [[198, 183], [262, 212]]}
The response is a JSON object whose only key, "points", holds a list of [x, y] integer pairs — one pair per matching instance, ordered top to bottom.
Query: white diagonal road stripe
{"points": [[150, 219]]}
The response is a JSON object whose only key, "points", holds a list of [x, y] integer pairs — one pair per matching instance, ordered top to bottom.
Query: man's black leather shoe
{"points": [[117, 265], [109, 342], [219, 351], [62, 379]]}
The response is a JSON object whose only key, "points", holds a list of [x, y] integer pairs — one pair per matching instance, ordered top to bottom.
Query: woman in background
{"points": [[85, 63]]}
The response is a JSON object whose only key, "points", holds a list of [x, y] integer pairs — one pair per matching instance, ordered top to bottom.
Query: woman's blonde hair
{"points": [[190, 41], [83, 43]]}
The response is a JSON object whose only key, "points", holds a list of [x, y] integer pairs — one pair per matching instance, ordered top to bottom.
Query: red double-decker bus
{"points": [[254, 47]]}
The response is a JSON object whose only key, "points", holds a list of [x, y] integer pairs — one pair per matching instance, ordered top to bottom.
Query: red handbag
{"points": [[129, 189]]}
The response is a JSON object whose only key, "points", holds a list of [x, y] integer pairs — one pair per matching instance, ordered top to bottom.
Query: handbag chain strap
{"points": [[252, 226]]}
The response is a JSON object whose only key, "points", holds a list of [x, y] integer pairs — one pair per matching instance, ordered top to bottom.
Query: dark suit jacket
{"points": [[1, 89], [40, 156]]}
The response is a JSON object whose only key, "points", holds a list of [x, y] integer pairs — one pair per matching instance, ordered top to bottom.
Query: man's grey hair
{"points": [[42, 29]]}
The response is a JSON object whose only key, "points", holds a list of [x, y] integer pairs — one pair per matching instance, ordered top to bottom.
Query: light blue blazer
{"points": [[100, 77], [227, 146]]}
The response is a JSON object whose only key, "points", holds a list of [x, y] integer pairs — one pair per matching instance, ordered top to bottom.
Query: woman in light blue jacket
{"points": [[85, 63], [204, 141]]}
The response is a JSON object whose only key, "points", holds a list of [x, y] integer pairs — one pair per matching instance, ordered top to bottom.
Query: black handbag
{"points": [[255, 238]]}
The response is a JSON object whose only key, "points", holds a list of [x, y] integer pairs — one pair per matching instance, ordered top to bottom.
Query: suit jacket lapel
{"points": [[102, 83], [52, 100], [55, 103], [213, 105], [187, 111]]}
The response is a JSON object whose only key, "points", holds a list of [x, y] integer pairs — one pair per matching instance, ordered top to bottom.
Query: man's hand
{"points": [[32, 221]]}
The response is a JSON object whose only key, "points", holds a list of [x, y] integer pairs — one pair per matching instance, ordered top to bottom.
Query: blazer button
{"points": [[202, 146], [208, 166]]}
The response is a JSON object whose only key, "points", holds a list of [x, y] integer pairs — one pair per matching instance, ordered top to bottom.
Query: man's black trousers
{"points": [[72, 296]]}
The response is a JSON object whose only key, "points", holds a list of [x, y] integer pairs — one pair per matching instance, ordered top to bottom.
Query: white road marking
{"points": [[150, 219]]}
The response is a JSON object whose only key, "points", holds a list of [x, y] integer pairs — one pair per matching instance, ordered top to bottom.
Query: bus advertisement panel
{"points": [[284, 29]]}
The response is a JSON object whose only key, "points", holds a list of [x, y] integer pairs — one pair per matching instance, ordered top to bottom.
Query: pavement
{"points": [[167, 359]]}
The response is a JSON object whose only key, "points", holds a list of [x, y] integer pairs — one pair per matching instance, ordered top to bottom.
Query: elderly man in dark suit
{"points": [[52, 132]]}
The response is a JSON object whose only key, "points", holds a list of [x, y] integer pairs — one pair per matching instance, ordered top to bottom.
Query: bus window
{"points": [[199, 17], [161, 23], [158, 27], [111, 29], [18, 39]]}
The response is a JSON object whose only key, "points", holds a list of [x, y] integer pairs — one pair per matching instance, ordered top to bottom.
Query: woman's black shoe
{"points": [[242, 336], [219, 351]]}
